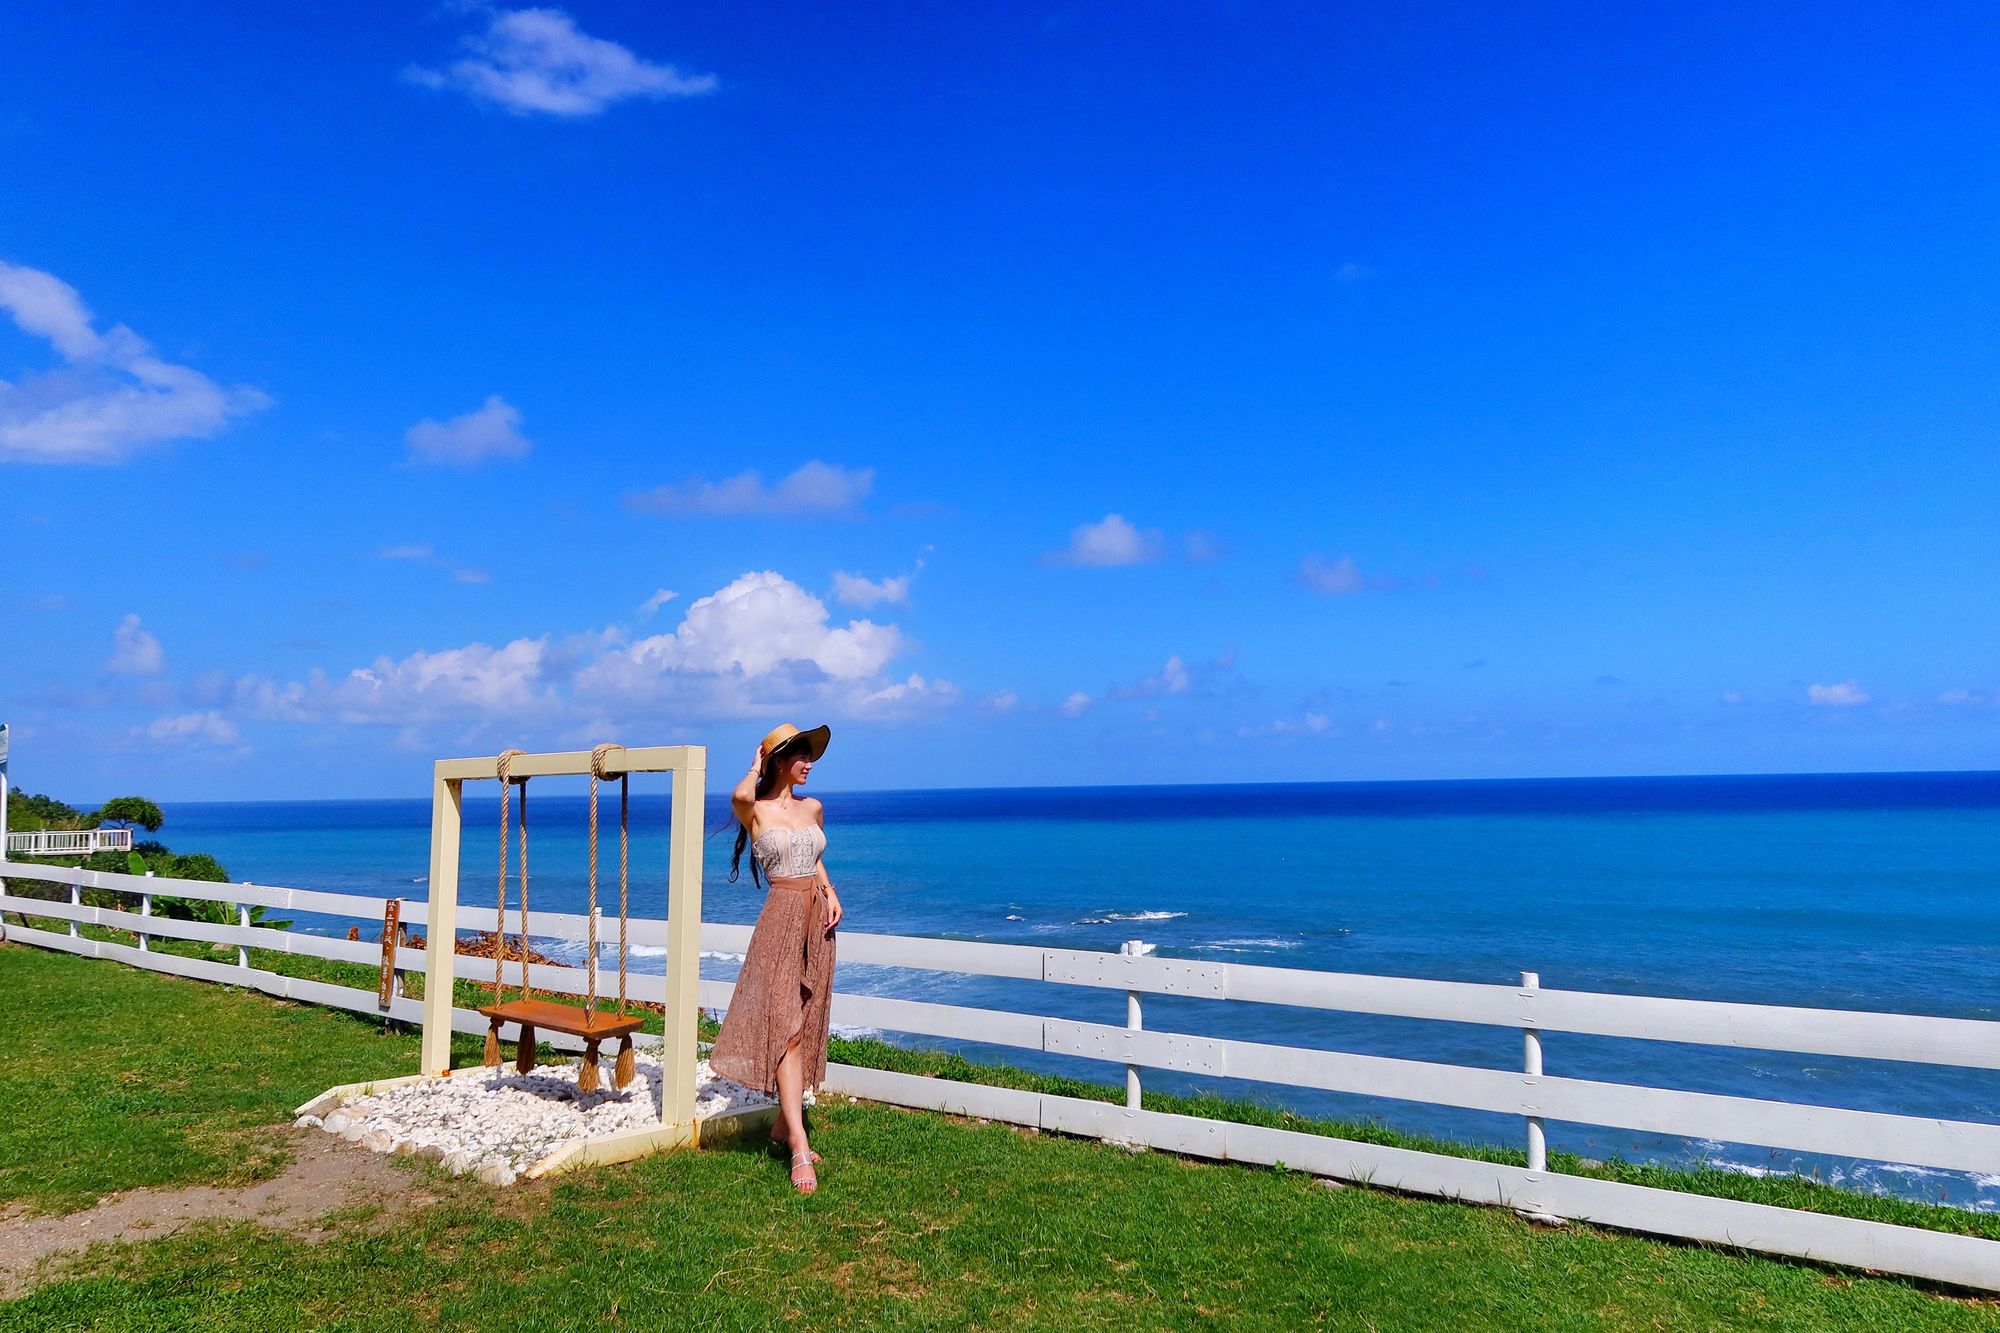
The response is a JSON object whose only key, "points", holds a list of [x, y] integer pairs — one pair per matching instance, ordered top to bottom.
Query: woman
{"points": [[773, 1036]]}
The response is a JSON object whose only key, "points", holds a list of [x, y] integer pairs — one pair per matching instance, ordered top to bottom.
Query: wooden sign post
{"points": [[385, 988]]}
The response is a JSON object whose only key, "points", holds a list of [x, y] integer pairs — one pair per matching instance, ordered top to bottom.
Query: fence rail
{"points": [[1537, 1097]]}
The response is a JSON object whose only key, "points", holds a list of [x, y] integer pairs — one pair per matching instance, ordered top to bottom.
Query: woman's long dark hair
{"points": [[767, 783]]}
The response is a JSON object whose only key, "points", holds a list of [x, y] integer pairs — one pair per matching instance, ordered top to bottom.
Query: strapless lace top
{"points": [[788, 852]]}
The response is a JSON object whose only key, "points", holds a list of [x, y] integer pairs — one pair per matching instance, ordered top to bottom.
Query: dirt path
{"points": [[325, 1174]]}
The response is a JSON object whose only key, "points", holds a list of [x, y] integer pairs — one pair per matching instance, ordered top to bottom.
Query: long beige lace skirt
{"points": [[784, 990]]}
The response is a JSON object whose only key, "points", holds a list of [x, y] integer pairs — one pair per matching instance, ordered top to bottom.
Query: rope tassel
{"points": [[492, 1060], [624, 1072], [586, 1078]]}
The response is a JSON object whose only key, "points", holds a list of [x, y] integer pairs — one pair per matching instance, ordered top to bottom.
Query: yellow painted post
{"points": [[683, 937], [440, 953]]}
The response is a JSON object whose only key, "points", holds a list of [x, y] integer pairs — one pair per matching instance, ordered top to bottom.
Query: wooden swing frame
{"points": [[687, 764], [525, 1011]]}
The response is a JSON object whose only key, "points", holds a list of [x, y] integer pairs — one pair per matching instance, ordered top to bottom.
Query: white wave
{"points": [[421, 879], [1012, 916], [1111, 917], [1247, 946], [648, 951], [719, 955], [852, 1030], [1745, 1169], [1902, 1169]]}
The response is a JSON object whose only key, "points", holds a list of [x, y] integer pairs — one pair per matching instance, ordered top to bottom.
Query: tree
{"points": [[128, 812], [31, 814]]}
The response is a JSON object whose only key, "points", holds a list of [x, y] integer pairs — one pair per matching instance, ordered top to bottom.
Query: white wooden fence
{"points": [[70, 842], [1917, 1140]]}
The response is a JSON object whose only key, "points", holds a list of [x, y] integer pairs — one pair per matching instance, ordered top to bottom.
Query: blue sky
{"points": [[1037, 395]]}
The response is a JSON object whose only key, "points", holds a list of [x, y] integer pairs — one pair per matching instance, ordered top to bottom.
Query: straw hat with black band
{"points": [[785, 734]]}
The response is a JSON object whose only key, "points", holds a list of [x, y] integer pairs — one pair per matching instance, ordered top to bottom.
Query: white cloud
{"points": [[536, 61], [112, 397], [489, 431], [816, 488], [1112, 540], [406, 553], [471, 576], [1334, 578], [854, 590], [659, 599], [757, 624], [758, 647], [134, 651], [1173, 678], [475, 680], [1844, 694], [904, 696], [1732, 697], [1002, 701], [1075, 704], [1310, 724], [210, 727]]}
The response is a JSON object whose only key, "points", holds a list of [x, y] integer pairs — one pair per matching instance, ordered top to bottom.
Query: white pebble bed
{"points": [[496, 1123]]}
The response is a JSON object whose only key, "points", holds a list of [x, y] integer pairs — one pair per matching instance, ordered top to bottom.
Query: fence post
{"points": [[75, 900], [146, 909], [243, 920], [1134, 1020], [1531, 1066], [1531, 1203]]}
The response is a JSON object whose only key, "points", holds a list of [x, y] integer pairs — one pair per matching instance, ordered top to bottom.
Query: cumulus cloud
{"points": [[537, 62], [112, 396], [491, 430], [816, 488], [1112, 540], [1333, 578], [854, 590], [659, 599], [758, 624], [759, 646], [134, 651], [1172, 678], [473, 681], [1843, 694], [1075, 704], [1308, 724], [209, 727]]}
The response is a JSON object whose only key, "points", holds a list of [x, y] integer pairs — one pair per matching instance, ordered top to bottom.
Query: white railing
{"points": [[70, 842], [1530, 1094]]}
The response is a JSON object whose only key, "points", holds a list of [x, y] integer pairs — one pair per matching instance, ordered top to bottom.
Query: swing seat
{"points": [[563, 1018]]}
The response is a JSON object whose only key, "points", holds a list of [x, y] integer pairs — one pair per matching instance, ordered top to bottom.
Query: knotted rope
{"points": [[502, 765], [597, 774], [523, 785]]}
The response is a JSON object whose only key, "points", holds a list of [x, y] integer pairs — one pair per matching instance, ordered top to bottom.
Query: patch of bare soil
{"points": [[326, 1175]]}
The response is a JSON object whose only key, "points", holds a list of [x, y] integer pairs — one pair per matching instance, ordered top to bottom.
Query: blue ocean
{"points": [[1858, 891]]}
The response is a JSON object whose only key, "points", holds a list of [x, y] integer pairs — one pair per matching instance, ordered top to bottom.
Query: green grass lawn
{"points": [[117, 1078]]}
